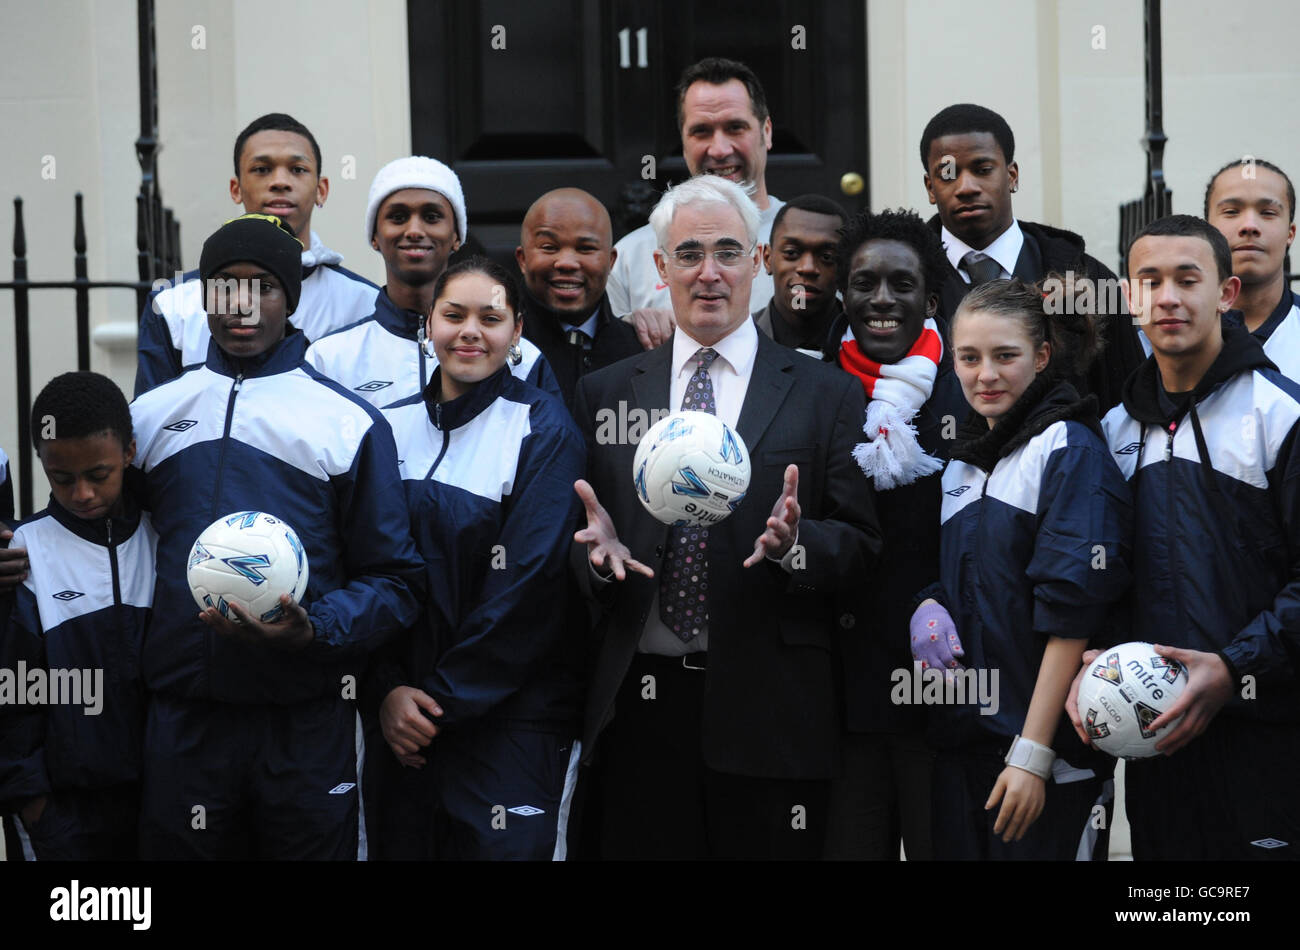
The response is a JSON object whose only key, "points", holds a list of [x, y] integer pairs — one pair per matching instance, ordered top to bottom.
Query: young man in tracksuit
{"points": [[277, 172], [1252, 203], [415, 218], [1206, 436], [251, 737], [70, 761]]}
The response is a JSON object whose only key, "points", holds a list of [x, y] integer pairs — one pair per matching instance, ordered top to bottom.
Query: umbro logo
{"points": [[374, 385], [182, 425], [1129, 449], [958, 491], [68, 595], [343, 788], [526, 810], [1261, 843]]}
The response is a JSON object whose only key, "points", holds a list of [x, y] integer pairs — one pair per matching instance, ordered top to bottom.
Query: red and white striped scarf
{"points": [[891, 455]]}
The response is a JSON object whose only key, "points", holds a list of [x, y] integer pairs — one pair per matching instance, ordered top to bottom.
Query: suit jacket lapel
{"points": [[650, 378], [768, 384]]}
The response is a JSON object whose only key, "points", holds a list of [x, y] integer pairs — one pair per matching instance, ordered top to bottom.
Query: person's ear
{"points": [[767, 133], [1013, 172], [929, 188], [322, 191], [236, 194], [767, 257], [519, 258], [661, 264], [1228, 293], [931, 305], [1042, 357], [129, 455]]}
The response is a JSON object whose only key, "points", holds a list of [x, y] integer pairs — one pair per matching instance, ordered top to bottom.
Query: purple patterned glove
{"points": [[934, 638]]}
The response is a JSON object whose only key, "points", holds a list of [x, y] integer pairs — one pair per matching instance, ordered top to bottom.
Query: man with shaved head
{"points": [[565, 254]]}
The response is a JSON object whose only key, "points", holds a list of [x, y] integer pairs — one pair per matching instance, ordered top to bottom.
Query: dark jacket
{"points": [[1053, 250], [614, 340], [272, 434], [489, 482], [1217, 487], [1029, 509], [84, 608], [873, 636], [769, 707]]}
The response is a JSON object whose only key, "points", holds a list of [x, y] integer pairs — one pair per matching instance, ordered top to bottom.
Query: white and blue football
{"points": [[691, 468], [250, 558]]}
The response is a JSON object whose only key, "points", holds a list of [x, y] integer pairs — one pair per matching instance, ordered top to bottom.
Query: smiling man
{"points": [[726, 131], [968, 153], [277, 172], [1252, 203], [565, 254], [801, 262], [1206, 436], [252, 718], [740, 730]]}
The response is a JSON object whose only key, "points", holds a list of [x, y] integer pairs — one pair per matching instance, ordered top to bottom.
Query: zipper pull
{"points": [[239, 381], [437, 414], [1169, 446], [108, 526]]}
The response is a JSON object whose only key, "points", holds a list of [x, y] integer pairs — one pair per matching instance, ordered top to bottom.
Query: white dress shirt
{"points": [[1005, 250]]}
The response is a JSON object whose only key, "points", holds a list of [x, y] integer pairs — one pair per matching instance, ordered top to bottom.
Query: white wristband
{"points": [[1031, 756]]}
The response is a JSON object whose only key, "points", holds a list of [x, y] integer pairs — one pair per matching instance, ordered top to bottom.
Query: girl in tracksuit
{"points": [[1034, 552], [479, 704]]}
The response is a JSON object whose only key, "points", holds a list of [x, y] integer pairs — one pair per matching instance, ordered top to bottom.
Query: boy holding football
{"points": [[1206, 436], [251, 735], [69, 763]]}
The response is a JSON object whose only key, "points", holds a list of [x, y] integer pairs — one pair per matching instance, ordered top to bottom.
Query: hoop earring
{"points": [[423, 340], [516, 354]]}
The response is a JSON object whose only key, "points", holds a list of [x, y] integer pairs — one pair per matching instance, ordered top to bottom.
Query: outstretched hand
{"points": [[782, 524], [606, 551]]}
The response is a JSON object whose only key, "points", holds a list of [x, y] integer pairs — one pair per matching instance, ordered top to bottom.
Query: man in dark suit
{"points": [[968, 153], [565, 253], [715, 730]]}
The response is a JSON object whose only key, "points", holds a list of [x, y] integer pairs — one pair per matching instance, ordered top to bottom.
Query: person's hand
{"points": [[653, 326], [782, 524], [606, 551], [13, 563], [292, 632], [935, 643], [1209, 686], [1072, 697], [405, 726], [1023, 795], [32, 811]]}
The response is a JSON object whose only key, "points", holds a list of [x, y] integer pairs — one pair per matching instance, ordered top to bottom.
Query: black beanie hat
{"points": [[261, 239]]}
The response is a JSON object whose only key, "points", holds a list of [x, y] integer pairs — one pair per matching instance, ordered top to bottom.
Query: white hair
{"points": [[704, 189]]}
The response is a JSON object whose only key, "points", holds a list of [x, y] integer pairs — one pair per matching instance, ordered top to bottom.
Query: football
{"points": [[691, 468], [251, 558], [1122, 693]]}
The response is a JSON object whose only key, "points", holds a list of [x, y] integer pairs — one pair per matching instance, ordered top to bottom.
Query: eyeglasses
{"points": [[691, 258]]}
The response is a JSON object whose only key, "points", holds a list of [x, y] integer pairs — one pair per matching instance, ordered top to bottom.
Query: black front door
{"points": [[520, 97]]}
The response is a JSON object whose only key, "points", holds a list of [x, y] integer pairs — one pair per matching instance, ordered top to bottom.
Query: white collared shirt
{"points": [[1005, 250], [589, 327], [729, 373]]}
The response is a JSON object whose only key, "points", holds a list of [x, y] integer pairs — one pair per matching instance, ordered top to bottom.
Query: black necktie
{"points": [[981, 268]]}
